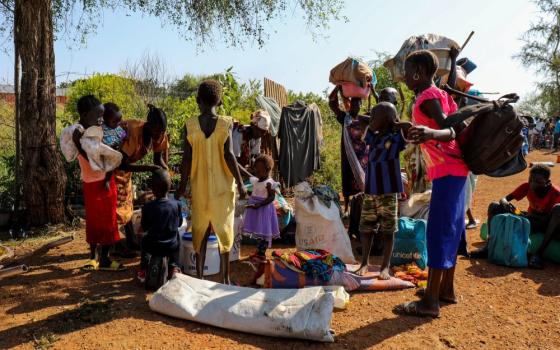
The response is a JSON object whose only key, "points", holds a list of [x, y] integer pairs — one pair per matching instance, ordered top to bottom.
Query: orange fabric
{"points": [[133, 145], [88, 174], [125, 208]]}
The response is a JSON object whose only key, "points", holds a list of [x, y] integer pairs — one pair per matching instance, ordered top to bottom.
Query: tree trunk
{"points": [[44, 179]]}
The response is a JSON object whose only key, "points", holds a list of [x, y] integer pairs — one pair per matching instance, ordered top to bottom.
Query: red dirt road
{"points": [[57, 305]]}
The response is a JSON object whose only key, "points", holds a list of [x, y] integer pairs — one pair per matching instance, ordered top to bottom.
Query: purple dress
{"points": [[261, 223]]}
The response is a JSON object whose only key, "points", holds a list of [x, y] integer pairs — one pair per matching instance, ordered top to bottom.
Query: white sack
{"points": [[290, 313]]}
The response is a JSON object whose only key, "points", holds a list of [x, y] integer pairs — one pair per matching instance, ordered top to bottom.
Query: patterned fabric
{"points": [[356, 132], [113, 138], [133, 144], [350, 147], [384, 167], [415, 168], [326, 195], [124, 196], [380, 210], [318, 264]]}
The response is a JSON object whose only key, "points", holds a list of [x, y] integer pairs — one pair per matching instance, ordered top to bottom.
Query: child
{"points": [[113, 134], [209, 163], [448, 173], [383, 184], [100, 202], [161, 220], [261, 221]]}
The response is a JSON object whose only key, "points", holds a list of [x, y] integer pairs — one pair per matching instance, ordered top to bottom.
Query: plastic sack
{"points": [[353, 71], [353, 90], [319, 227], [509, 241], [410, 243], [551, 253], [288, 313]]}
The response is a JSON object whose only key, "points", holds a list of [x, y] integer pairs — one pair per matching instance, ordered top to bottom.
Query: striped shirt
{"points": [[383, 172]]}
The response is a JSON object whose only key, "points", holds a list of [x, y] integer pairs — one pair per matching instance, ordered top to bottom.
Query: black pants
{"points": [[156, 248]]}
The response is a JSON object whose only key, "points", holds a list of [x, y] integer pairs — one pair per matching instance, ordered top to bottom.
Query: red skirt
{"points": [[101, 212]]}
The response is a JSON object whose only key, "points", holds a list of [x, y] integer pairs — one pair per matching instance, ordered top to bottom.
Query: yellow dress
{"points": [[212, 184]]}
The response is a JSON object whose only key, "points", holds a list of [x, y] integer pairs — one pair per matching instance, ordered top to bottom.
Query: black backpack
{"points": [[490, 135]]}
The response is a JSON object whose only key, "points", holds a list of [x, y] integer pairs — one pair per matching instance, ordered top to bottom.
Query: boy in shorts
{"points": [[383, 183]]}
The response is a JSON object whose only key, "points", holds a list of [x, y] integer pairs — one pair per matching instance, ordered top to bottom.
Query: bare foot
{"points": [[362, 270], [385, 274]]}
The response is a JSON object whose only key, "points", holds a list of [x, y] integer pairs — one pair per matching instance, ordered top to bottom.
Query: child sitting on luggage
{"points": [[113, 133], [383, 183], [161, 220], [260, 220]]}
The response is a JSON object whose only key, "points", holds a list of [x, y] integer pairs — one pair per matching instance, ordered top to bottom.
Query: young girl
{"points": [[209, 163], [448, 173], [100, 202], [261, 221]]}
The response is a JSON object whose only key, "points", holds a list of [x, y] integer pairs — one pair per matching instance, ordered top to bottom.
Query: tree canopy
{"points": [[233, 22], [541, 52]]}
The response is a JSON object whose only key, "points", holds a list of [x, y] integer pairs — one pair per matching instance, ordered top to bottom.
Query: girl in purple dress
{"points": [[260, 220]]}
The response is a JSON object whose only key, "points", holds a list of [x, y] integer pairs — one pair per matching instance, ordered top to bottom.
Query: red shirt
{"points": [[537, 205]]}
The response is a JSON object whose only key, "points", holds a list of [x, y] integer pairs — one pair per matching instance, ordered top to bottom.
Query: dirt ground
{"points": [[55, 305]]}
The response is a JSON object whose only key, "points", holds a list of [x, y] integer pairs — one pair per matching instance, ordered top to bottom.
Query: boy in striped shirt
{"points": [[383, 183]]}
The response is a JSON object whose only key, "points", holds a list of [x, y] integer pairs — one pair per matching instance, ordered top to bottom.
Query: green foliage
{"points": [[541, 51], [107, 88], [7, 181]]}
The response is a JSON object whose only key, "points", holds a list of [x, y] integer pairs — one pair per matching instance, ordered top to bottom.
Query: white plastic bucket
{"points": [[187, 256]]}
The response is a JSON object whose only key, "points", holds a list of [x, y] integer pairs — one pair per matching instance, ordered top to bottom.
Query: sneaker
{"points": [[141, 275]]}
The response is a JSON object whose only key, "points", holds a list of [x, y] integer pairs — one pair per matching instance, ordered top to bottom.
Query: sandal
{"points": [[472, 225], [536, 263], [91, 265], [114, 266], [411, 309]]}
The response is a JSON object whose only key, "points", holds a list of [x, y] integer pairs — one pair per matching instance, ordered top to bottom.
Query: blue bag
{"points": [[509, 240], [410, 243]]}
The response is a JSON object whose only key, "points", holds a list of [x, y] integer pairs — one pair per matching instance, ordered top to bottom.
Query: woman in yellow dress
{"points": [[209, 162]]}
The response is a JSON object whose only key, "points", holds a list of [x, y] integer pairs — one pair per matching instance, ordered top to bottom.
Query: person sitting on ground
{"points": [[113, 134], [380, 206], [543, 213], [161, 220]]}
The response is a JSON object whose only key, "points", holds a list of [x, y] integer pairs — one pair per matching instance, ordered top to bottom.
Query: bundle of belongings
{"points": [[438, 44], [354, 76], [101, 157], [319, 225], [316, 267], [288, 313]]}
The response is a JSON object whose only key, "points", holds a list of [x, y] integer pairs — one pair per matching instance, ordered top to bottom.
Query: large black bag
{"points": [[490, 135]]}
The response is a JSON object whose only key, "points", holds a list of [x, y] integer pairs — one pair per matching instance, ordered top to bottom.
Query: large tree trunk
{"points": [[44, 179]]}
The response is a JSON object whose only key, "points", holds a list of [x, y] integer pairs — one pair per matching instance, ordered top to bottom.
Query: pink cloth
{"points": [[442, 158], [88, 174]]}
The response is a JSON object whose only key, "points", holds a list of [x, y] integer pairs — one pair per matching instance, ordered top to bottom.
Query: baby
{"points": [[113, 133]]}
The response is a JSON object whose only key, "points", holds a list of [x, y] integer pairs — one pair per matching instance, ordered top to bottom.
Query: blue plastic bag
{"points": [[509, 240], [410, 243]]}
